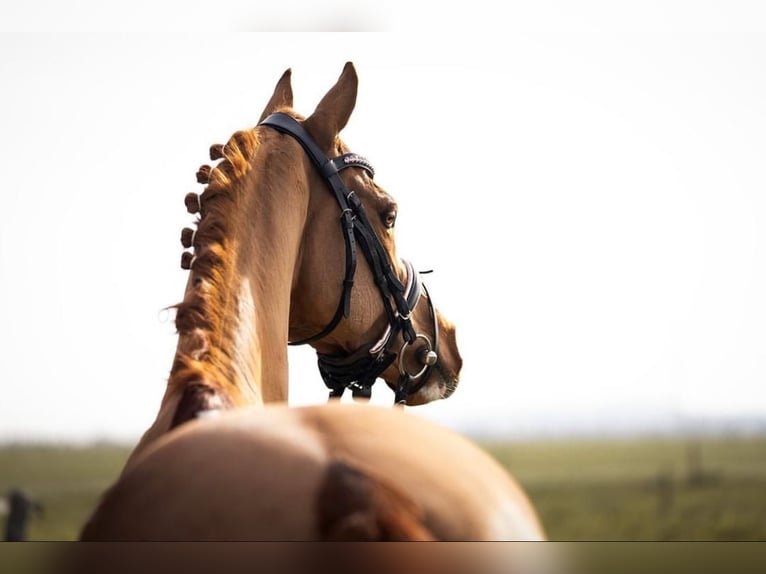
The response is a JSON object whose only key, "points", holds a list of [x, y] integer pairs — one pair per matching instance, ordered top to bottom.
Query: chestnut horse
{"points": [[269, 258], [269, 265]]}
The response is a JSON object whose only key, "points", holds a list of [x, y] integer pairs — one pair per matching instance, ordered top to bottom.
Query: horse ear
{"points": [[282, 97], [332, 113], [356, 506]]}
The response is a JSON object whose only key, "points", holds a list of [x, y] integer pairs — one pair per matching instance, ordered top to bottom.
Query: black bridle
{"points": [[359, 370]]}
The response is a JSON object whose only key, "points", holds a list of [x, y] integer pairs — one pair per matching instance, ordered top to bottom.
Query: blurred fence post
{"points": [[19, 508]]}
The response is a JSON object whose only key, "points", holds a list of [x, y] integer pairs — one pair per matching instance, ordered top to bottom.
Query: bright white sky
{"points": [[587, 181]]}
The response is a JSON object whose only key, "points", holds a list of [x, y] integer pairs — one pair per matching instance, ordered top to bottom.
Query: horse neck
{"points": [[242, 284], [233, 321]]}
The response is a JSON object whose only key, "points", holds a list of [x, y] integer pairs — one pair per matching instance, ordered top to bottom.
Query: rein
{"points": [[359, 370]]}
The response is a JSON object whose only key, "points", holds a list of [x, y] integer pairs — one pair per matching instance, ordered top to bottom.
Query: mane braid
{"points": [[202, 319]]}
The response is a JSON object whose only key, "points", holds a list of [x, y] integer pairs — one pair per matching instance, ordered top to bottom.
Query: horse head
{"points": [[363, 308]]}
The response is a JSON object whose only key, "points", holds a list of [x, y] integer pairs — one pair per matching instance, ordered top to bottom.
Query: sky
{"points": [[586, 181]]}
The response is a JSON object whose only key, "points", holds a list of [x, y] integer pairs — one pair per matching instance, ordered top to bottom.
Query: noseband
{"points": [[359, 370]]}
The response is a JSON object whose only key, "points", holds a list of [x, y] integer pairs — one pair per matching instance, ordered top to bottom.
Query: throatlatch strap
{"points": [[285, 124], [344, 307]]}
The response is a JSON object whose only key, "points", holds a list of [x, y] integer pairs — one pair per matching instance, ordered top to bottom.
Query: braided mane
{"points": [[202, 319]]}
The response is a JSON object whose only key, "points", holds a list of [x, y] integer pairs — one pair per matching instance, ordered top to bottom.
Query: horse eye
{"points": [[388, 218]]}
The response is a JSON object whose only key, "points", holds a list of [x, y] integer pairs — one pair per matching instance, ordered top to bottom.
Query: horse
{"points": [[268, 252], [268, 265]]}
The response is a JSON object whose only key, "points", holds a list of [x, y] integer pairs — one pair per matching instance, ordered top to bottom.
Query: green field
{"points": [[659, 489], [669, 489]]}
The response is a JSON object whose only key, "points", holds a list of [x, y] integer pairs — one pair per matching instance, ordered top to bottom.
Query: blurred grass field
{"points": [[631, 489], [651, 489]]}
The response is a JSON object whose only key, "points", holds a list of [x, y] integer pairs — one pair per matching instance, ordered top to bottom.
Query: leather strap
{"points": [[359, 370]]}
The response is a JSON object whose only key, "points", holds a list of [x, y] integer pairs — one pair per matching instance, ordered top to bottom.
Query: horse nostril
{"points": [[427, 357]]}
